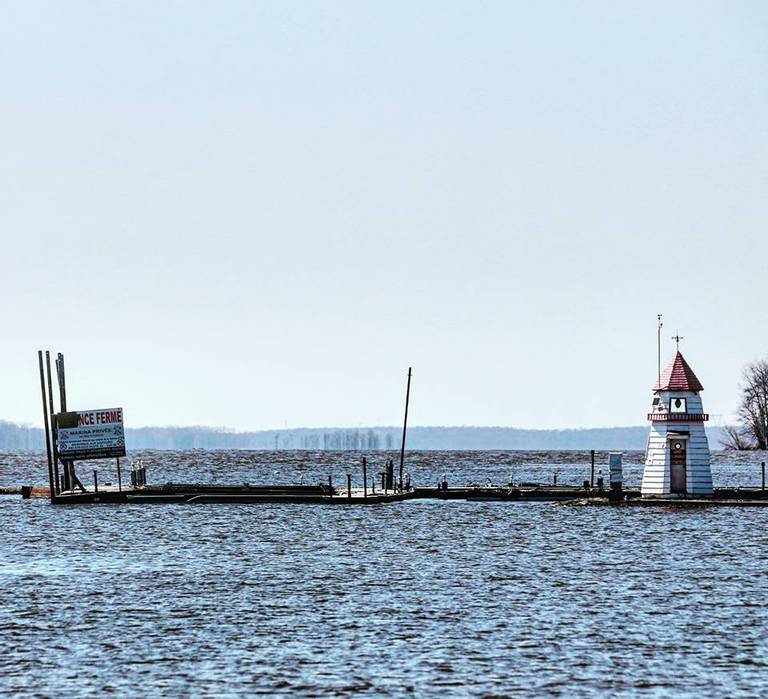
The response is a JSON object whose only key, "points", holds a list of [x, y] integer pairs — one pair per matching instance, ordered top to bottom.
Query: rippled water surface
{"points": [[421, 597]]}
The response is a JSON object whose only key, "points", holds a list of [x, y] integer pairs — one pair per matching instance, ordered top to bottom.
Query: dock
{"points": [[196, 493]]}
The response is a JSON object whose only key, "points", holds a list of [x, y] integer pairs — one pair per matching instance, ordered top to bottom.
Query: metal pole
{"points": [[658, 347], [62, 382], [405, 426], [54, 429], [47, 430], [69, 466], [762, 469], [592, 470], [119, 477], [365, 478], [95, 481], [349, 486]]}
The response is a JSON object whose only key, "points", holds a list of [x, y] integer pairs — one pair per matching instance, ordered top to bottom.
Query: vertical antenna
{"points": [[658, 346], [405, 426], [47, 431], [54, 433]]}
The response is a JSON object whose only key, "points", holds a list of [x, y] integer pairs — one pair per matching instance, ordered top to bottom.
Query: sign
{"points": [[91, 434]]}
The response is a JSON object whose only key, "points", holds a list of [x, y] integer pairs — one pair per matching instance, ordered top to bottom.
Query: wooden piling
{"points": [[405, 426], [54, 428], [47, 430], [69, 465], [592, 471], [762, 473], [119, 477], [365, 478], [95, 481], [330, 486], [349, 486]]}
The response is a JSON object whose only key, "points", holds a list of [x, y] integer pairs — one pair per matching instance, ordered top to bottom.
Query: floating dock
{"points": [[181, 493]]}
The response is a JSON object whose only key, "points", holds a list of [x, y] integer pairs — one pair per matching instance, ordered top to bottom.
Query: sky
{"points": [[260, 214]]}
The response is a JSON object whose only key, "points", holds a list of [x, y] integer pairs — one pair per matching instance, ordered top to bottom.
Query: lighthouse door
{"points": [[677, 466]]}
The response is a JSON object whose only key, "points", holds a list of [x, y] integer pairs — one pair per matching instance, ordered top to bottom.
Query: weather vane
{"points": [[677, 337]]}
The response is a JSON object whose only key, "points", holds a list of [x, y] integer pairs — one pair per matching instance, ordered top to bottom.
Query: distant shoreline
{"points": [[25, 437]]}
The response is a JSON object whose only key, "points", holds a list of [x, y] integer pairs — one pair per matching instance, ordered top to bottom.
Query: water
{"points": [[423, 598]]}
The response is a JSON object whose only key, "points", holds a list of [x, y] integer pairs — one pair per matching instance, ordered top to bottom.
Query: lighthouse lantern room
{"points": [[677, 458]]}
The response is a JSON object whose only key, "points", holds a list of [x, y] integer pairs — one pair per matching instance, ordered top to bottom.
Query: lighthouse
{"points": [[677, 458]]}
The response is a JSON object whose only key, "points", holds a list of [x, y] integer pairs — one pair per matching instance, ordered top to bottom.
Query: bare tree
{"points": [[753, 410], [736, 438]]}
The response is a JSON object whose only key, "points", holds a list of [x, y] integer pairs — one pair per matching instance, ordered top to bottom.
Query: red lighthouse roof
{"points": [[678, 376]]}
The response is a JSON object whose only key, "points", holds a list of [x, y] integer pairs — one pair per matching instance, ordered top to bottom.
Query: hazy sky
{"points": [[259, 214]]}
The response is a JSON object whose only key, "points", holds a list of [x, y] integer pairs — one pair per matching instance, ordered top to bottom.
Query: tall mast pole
{"points": [[658, 347], [53, 423], [405, 426], [47, 430]]}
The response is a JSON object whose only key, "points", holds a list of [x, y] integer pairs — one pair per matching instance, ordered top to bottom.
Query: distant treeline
{"points": [[15, 437]]}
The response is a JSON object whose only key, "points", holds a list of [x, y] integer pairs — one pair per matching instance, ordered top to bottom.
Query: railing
{"points": [[678, 417]]}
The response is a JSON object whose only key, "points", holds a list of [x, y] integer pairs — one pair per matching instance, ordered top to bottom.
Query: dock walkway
{"points": [[190, 493]]}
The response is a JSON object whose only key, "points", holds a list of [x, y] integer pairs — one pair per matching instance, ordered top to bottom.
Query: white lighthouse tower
{"points": [[677, 459]]}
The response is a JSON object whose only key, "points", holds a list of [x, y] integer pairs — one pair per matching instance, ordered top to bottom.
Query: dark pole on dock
{"points": [[659, 325], [62, 382], [53, 424], [405, 426], [47, 430], [69, 466], [762, 469], [592, 472], [119, 477], [365, 478], [95, 481], [330, 486], [349, 486]]}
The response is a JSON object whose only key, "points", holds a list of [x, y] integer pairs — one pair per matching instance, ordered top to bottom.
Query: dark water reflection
{"points": [[427, 598]]}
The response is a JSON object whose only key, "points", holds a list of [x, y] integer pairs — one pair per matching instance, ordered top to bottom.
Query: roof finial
{"points": [[677, 337]]}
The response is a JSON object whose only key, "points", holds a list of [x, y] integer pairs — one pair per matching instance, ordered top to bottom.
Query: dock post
{"points": [[405, 426], [47, 430], [762, 469], [592, 472], [390, 474], [119, 477], [365, 478], [68, 481], [95, 481], [65, 482], [373, 485], [330, 486], [349, 486]]}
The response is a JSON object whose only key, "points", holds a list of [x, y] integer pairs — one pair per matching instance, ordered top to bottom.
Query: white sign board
{"points": [[93, 434]]}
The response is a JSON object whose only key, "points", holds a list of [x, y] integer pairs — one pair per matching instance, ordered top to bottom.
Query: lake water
{"points": [[421, 598]]}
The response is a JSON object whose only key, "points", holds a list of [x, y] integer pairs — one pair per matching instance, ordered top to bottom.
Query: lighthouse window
{"points": [[678, 405]]}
